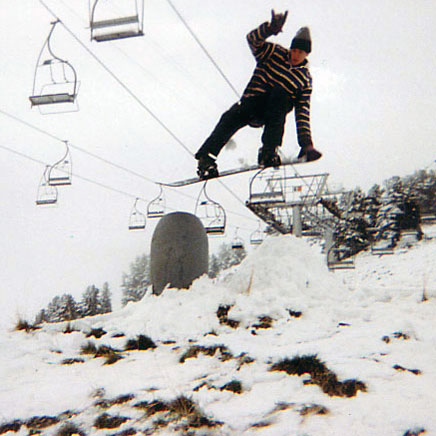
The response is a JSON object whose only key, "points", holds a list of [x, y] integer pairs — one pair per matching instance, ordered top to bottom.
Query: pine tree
{"points": [[214, 266], [135, 284], [105, 299], [89, 305], [68, 308]]}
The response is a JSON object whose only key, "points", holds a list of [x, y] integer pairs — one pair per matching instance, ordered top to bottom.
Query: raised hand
{"points": [[277, 22]]}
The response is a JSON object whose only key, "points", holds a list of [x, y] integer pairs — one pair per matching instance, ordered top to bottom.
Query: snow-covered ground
{"points": [[210, 371]]}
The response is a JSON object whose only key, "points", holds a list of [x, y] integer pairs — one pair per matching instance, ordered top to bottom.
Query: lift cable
{"points": [[204, 49], [119, 81], [133, 95], [106, 161], [86, 179], [94, 182]]}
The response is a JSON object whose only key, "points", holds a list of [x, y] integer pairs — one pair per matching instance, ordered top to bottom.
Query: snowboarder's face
{"points": [[298, 56]]}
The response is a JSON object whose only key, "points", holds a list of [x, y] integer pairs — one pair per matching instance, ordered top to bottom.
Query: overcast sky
{"points": [[372, 117]]}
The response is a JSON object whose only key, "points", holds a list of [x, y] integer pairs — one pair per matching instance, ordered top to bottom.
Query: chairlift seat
{"points": [[131, 19], [117, 35], [64, 97], [59, 181], [267, 197], [43, 201], [155, 213], [139, 226], [215, 230], [255, 241], [342, 264]]}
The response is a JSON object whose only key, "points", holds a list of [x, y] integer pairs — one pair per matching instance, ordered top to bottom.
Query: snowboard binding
{"points": [[268, 158], [207, 168]]}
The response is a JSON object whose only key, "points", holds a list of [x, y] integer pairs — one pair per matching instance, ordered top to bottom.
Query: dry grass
{"points": [[222, 315], [23, 325], [96, 333], [141, 342], [195, 350], [72, 361], [319, 375], [233, 386], [106, 404], [109, 421], [38, 422], [11, 426], [70, 429]]}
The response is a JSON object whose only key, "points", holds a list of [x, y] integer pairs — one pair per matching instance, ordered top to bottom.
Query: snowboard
{"points": [[231, 172]]}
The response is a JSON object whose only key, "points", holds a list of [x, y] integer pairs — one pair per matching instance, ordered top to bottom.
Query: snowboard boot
{"points": [[309, 154], [268, 157], [207, 167]]}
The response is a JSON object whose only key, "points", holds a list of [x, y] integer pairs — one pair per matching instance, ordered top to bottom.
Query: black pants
{"points": [[268, 110]]}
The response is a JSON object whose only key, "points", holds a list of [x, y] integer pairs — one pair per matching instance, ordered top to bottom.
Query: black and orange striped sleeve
{"points": [[257, 42]]}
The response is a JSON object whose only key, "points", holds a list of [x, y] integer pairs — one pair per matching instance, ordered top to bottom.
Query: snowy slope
{"points": [[210, 369]]}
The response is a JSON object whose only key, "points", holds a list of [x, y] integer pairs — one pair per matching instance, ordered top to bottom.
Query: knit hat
{"points": [[302, 40]]}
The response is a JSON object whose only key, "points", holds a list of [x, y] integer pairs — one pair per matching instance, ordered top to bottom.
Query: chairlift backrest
{"points": [[108, 22], [60, 173], [47, 194], [156, 207], [210, 213], [137, 220]]}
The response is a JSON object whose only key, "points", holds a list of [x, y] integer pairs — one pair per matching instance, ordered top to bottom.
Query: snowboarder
{"points": [[281, 81]]}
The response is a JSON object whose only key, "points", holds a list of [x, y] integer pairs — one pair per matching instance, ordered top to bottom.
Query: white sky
{"points": [[372, 109]]}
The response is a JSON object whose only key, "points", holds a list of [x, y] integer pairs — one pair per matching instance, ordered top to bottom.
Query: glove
{"points": [[277, 22]]}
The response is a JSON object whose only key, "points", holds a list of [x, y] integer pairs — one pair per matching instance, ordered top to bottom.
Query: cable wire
{"points": [[204, 49]]}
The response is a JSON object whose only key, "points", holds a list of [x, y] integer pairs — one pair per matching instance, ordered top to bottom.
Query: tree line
{"points": [[360, 219], [134, 286]]}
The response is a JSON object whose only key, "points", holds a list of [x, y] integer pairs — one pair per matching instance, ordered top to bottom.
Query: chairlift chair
{"points": [[107, 22], [55, 81], [60, 173], [266, 186], [47, 194], [156, 207], [211, 214], [137, 219], [257, 237], [237, 243], [335, 259]]}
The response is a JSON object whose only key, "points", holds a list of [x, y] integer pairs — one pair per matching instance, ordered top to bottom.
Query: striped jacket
{"points": [[274, 68]]}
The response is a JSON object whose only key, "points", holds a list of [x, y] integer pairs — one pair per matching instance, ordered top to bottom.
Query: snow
{"points": [[369, 324]]}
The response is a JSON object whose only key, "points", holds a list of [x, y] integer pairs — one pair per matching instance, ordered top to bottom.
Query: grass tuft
{"points": [[222, 314], [26, 326], [96, 333], [141, 342], [195, 350], [72, 361], [319, 375], [233, 386], [106, 404], [109, 421], [38, 422], [11, 426], [70, 429]]}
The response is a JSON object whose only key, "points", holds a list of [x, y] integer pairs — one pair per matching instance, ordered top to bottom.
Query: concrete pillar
{"points": [[297, 228], [179, 251]]}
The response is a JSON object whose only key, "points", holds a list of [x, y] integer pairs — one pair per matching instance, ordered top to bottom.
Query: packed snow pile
{"points": [[280, 346]]}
